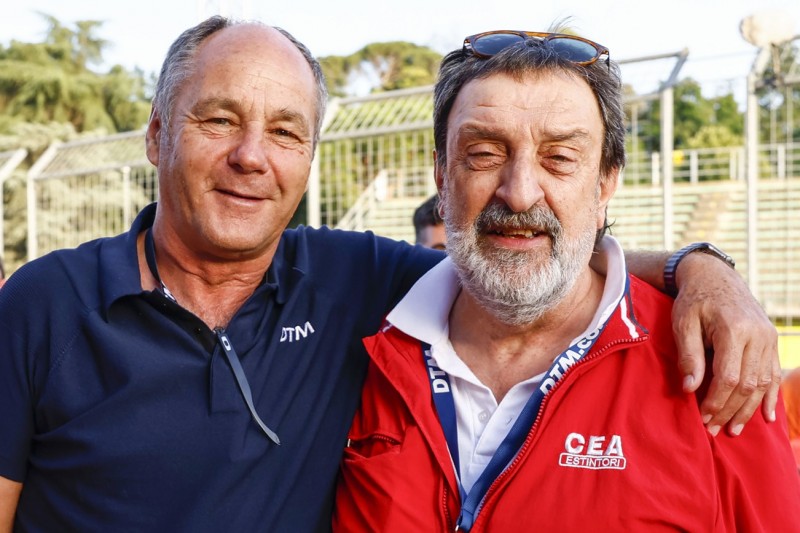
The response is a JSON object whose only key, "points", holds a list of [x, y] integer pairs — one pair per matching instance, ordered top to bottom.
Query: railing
{"points": [[710, 164], [397, 184], [365, 204], [70, 205]]}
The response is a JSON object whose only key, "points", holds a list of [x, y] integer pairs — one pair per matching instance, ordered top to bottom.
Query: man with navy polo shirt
{"points": [[199, 373]]}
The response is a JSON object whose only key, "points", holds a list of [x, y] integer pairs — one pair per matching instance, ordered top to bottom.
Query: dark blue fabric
{"points": [[119, 411]]}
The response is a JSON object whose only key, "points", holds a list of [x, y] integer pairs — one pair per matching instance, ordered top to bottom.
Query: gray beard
{"points": [[512, 285]]}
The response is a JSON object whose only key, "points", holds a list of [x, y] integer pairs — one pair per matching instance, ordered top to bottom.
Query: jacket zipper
{"points": [[545, 401], [374, 436], [448, 520]]}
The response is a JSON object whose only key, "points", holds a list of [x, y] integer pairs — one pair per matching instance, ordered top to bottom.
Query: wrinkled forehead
{"points": [[253, 45], [256, 67], [531, 81], [556, 96]]}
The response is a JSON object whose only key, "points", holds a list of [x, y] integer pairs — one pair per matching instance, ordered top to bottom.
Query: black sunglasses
{"points": [[571, 47]]}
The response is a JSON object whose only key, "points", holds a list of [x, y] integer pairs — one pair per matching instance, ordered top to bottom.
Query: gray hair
{"points": [[179, 65], [459, 67]]}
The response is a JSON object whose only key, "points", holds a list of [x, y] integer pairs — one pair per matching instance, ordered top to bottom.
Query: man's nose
{"points": [[250, 154], [520, 184]]}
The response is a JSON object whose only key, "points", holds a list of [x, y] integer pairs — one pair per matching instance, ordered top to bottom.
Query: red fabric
{"points": [[397, 475]]}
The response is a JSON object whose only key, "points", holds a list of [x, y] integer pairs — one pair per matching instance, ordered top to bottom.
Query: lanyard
{"points": [[150, 255], [222, 337], [244, 386], [445, 408], [509, 447]]}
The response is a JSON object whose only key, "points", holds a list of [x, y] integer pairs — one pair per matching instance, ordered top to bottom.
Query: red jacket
{"points": [[616, 446]]}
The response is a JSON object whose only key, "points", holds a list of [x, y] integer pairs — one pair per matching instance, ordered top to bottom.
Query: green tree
{"points": [[87, 48], [400, 64], [381, 67], [337, 71], [51, 82], [49, 92], [693, 112], [728, 115], [714, 135], [350, 164]]}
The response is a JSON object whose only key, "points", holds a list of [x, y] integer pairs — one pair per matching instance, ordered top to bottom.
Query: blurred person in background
{"points": [[428, 225]]}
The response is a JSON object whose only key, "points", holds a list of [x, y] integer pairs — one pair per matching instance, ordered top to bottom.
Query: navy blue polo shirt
{"points": [[120, 412]]}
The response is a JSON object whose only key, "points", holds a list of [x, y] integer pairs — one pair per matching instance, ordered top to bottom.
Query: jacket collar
{"points": [[424, 312]]}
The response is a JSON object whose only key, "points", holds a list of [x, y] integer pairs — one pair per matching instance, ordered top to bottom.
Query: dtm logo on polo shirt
{"points": [[296, 333], [595, 452]]}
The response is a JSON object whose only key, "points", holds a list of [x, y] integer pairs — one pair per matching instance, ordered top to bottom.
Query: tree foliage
{"points": [[381, 67], [51, 82], [52, 91], [693, 113]]}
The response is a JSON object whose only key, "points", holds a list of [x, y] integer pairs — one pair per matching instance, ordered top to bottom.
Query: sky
{"points": [[140, 31]]}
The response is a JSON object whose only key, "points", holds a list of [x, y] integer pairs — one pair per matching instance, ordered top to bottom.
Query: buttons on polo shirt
{"points": [[483, 416]]}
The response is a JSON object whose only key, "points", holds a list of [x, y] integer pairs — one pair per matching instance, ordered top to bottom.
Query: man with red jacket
{"points": [[528, 381]]}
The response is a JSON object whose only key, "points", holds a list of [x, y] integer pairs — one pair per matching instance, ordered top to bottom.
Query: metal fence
{"points": [[379, 147], [373, 148], [374, 166], [83, 189], [71, 202], [717, 211]]}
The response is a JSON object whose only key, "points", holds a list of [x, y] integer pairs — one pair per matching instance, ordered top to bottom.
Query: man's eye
{"points": [[219, 121], [285, 134], [482, 155], [560, 164]]}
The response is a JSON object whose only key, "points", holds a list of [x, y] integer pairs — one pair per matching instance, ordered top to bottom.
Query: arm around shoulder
{"points": [[714, 310]]}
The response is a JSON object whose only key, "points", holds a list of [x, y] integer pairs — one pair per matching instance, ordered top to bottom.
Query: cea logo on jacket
{"points": [[594, 452]]}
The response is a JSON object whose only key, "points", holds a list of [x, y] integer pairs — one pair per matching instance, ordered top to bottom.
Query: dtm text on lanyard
{"points": [[508, 449]]}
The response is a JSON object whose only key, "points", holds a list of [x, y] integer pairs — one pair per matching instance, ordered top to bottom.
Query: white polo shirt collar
{"points": [[483, 423]]}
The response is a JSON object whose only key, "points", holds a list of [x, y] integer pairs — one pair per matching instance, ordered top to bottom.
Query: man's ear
{"points": [[153, 136], [438, 173], [608, 186]]}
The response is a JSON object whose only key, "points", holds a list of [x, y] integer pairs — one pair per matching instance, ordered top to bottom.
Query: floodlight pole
{"points": [[667, 147], [751, 148], [5, 171], [33, 173], [314, 186]]}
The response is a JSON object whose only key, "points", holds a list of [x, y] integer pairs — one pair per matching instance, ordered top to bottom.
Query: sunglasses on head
{"points": [[571, 47]]}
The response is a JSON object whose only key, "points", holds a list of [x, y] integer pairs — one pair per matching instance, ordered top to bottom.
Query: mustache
{"points": [[537, 217]]}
